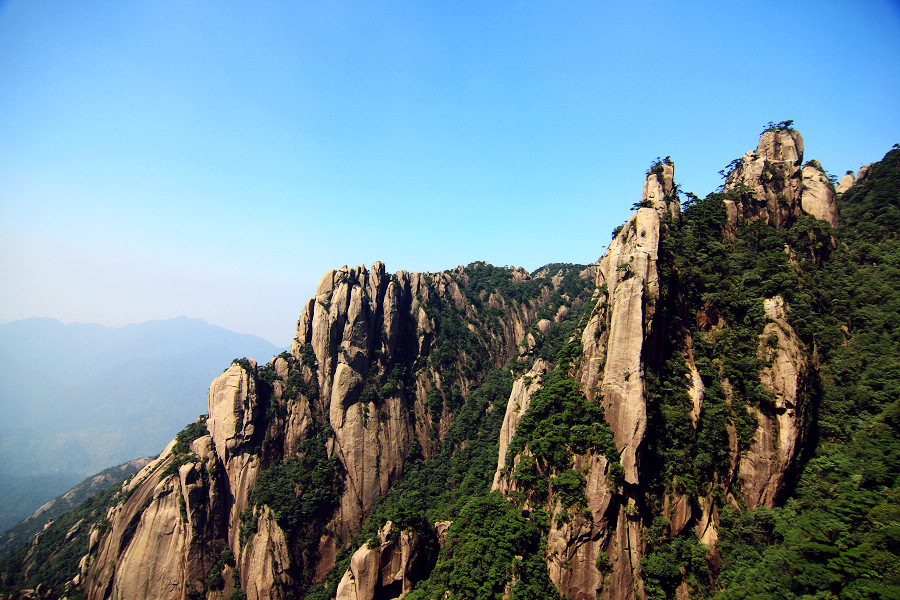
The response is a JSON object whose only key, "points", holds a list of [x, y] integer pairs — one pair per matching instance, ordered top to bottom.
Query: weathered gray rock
{"points": [[863, 172], [628, 270], [544, 326], [233, 411], [574, 545], [146, 554], [265, 560]]}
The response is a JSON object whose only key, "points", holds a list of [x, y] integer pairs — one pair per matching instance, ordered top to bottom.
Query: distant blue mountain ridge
{"points": [[77, 398]]}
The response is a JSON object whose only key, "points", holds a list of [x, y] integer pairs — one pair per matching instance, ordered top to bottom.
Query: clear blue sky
{"points": [[214, 159]]}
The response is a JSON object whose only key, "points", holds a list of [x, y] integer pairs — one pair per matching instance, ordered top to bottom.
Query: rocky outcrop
{"points": [[863, 172], [846, 182], [767, 183], [770, 185], [818, 197], [367, 330], [613, 340], [615, 348], [378, 366], [359, 375], [519, 400], [233, 410], [764, 466], [165, 537], [574, 544], [150, 550], [598, 553], [265, 566], [388, 566]]}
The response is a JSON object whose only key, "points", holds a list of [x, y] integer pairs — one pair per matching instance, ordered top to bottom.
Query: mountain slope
{"points": [[78, 398], [707, 412], [24, 532]]}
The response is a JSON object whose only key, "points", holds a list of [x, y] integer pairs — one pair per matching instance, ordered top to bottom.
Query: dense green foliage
{"points": [[713, 288], [559, 423], [181, 452], [302, 492], [838, 534], [837, 537], [490, 544], [54, 557], [671, 560]]}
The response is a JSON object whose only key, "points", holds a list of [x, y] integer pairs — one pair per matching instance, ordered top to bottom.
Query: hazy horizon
{"points": [[216, 159], [144, 322]]}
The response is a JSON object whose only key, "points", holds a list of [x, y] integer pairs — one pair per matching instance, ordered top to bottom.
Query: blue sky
{"points": [[214, 159]]}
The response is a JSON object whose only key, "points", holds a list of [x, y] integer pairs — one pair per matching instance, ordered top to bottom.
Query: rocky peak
{"points": [[781, 145], [863, 172], [846, 182], [766, 184], [770, 184], [659, 189], [818, 196], [382, 363], [233, 409]]}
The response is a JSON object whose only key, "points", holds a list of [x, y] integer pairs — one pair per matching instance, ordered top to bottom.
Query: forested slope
{"points": [[709, 411]]}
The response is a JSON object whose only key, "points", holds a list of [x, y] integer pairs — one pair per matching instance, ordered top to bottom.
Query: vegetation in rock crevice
{"points": [[834, 531]]}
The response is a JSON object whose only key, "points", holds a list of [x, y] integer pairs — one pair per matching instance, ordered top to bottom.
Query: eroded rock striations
{"points": [[772, 185], [369, 354], [267, 492]]}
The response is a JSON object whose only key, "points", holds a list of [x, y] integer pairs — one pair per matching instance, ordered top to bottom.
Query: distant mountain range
{"points": [[78, 398], [711, 410], [22, 533]]}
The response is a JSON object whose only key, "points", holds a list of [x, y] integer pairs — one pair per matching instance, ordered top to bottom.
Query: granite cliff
{"points": [[648, 399]]}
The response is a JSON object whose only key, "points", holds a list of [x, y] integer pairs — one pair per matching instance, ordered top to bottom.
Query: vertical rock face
{"points": [[818, 196], [628, 270], [355, 314], [614, 339], [364, 360], [612, 370], [372, 374], [519, 400], [233, 410], [782, 423], [573, 546], [153, 548], [266, 563], [387, 567]]}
